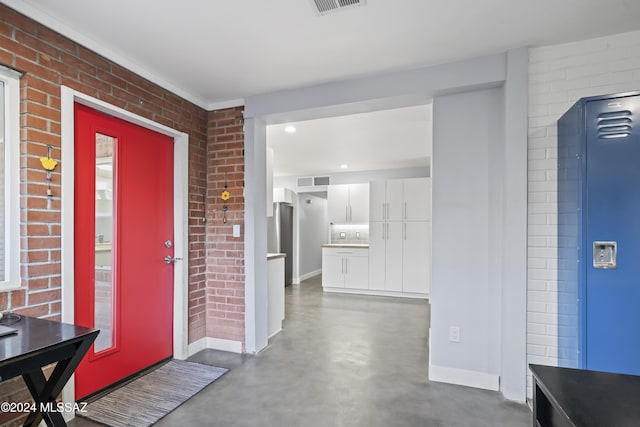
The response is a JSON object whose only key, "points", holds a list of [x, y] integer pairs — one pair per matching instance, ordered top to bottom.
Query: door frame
{"points": [[180, 214]]}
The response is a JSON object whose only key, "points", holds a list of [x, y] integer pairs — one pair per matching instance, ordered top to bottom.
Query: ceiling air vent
{"points": [[323, 7], [320, 180], [305, 182]]}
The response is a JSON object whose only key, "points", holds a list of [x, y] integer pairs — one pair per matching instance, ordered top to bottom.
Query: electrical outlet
{"points": [[454, 333]]}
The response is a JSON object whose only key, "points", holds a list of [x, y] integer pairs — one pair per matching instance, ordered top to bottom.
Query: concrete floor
{"points": [[341, 360]]}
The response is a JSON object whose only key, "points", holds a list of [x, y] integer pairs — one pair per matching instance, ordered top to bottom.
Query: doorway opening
{"points": [[308, 159]]}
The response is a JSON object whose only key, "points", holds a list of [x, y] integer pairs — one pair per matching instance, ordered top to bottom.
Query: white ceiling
{"points": [[216, 53], [387, 139]]}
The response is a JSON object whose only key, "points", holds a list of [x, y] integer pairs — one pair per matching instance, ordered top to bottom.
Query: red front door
{"points": [[123, 232]]}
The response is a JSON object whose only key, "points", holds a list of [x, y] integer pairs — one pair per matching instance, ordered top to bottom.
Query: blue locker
{"points": [[599, 234]]}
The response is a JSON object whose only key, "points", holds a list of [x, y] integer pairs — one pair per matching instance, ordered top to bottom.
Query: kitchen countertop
{"points": [[346, 245], [271, 256]]}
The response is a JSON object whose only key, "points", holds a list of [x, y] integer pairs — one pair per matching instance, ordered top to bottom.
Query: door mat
{"points": [[145, 400]]}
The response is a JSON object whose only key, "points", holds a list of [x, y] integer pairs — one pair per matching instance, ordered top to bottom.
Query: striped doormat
{"points": [[145, 400]]}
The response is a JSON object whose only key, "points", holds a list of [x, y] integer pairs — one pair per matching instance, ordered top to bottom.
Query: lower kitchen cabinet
{"points": [[416, 254], [400, 258], [345, 267]]}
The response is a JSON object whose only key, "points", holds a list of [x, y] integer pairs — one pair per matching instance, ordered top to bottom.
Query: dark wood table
{"points": [[37, 344], [580, 398]]}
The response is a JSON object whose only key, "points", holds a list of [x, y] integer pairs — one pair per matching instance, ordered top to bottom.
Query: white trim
{"points": [[100, 48], [11, 80], [221, 105], [181, 193], [297, 280], [376, 293], [276, 332], [214, 344], [444, 374]]}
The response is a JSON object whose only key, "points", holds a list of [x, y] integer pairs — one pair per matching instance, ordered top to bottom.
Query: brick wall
{"points": [[50, 60], [558, 76], [225, 253]]}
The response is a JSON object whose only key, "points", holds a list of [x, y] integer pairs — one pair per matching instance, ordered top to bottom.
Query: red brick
{"points": [[19, 50], [32, 67], [44, 297]]}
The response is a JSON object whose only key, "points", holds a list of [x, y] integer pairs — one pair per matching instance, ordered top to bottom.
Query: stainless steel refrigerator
{"points": [[280, 236]]}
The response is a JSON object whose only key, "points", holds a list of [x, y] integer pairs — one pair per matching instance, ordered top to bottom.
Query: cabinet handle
{"points": [[346, 213], [350, 213], [383, 213], [404, 214], [387, 216], [386, 226], [346, 266]]}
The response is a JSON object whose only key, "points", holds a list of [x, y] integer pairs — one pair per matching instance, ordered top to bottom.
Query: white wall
{"points": [[558, 76], [412, 88], [468, 177], [312, 219]]}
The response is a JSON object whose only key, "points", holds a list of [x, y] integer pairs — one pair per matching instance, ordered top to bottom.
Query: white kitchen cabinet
{"points": [[417, 199], [400, 200], [348, 203], [359, 203], [400, 236], [416, 251], [377, 255], [385, 256], [394, 259], [344, 267], [332, 270]]}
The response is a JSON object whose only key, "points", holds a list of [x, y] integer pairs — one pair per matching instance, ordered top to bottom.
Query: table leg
{"points": [[45, 391]]}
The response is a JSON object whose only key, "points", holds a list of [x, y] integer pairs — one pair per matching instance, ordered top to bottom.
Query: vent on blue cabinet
{"points": [[615, 124]]}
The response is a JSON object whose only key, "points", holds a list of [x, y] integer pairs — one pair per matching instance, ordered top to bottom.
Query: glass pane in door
{"points": [[104, 289]]}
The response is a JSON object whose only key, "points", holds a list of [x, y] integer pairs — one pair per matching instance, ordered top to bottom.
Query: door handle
{"points": [[171, 260]]}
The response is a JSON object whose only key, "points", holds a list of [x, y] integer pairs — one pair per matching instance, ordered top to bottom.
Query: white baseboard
{"points": [[309, 275], [376, 293], [214, 344], [444, 374]]}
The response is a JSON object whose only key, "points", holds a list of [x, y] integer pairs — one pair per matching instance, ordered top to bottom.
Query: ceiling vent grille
{"points": [[323, 7], [313, 181]]}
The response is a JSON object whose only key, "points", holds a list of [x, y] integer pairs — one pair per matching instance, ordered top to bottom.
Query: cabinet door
{"points": [[394, 199], [417, 199], [377, 200], [337, 203], [359, 203], [393, 250], [377, 255], [332, 271], [356, 272], [416, 276]]}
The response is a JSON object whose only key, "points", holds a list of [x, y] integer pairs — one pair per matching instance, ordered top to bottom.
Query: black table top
{"points": [[35, 335], [591, 398]]}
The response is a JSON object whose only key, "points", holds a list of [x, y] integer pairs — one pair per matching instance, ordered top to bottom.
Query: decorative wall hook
{"points": [[49, 165], [225, 196]]}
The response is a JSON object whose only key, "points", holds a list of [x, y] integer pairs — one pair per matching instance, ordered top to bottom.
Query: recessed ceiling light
{"points": [[290, 129], [344, 166]]}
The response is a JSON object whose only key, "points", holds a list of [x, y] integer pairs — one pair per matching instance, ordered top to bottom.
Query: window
{"points": [[9, 178]]}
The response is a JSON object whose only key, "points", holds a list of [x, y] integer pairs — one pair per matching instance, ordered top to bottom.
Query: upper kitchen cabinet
{"points": [[417, 199], [400, 200], [348, 203]]}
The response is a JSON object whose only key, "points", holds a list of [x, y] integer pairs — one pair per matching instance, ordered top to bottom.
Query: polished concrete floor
{"points": [[341, 360]]}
